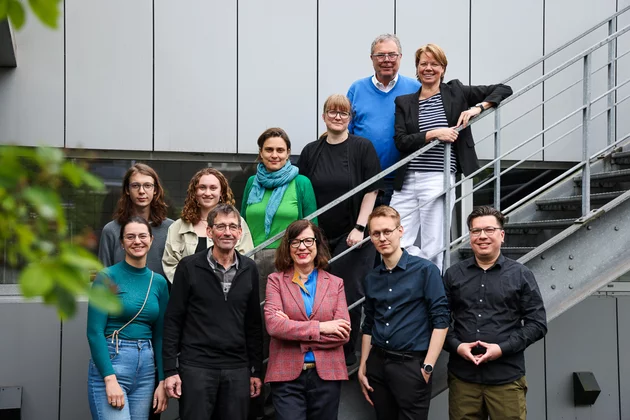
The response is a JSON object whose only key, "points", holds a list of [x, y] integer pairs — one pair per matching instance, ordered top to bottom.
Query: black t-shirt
{"points": [[330, 179], [202, 243]]}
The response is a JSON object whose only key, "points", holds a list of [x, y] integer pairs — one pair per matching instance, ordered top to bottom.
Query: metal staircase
{"points": [[572, 232]]}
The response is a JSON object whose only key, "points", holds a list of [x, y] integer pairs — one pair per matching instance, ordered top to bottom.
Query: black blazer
{"points": [[456, 98]]}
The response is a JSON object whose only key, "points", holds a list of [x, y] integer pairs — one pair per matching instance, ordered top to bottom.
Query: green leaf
{"points": [[4, 9], [46, 10], [16, 14], [50, 159], [72, 173], [92, 181], [45, 202], [79, 258], [71, 279], [36, 280], [104, 299], [66, 304]]}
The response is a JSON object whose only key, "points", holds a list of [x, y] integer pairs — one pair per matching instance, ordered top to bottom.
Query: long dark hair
{"points": [[124, 209], [284, 262]]}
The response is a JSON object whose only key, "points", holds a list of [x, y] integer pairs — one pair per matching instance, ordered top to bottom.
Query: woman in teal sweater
{"points": [[274, 198], [125, 345]]}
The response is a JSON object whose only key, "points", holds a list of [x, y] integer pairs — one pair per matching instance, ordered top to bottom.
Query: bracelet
{"points": [[359, 227]]}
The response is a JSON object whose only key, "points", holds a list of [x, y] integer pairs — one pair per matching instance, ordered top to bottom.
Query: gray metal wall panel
{"points": [[419, 23], [560, 27], [344, 47], [495, 58], [277, 72], [109, 74], [195, 76], [31, 95], [623, 325], [583, 339], [30, 355], [75, 356], [535, 374], [439, 407]]}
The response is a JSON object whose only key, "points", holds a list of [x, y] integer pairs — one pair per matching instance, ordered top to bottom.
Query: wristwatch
{"points": [[480, 106], [359, 227], [427, 368]]}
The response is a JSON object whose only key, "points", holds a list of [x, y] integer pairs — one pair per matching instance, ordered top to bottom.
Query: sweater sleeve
{"points": [[350, 96], [248, 188], [306, 196], [109, 239], [172, 254], [174, 318], [96, 324], [158, 325], [253, 328]]}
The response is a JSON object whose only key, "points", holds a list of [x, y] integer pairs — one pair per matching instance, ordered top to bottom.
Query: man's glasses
{"points": [[390, 56], [333, 114], [147, 186], [221, 227], [488, 230], [376, 235], [131, 237], [308, 242]]}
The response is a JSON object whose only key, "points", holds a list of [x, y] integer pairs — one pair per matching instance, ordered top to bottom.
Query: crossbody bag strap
{"points": [[114, 335]]}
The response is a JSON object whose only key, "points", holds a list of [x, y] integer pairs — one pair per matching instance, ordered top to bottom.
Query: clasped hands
{"points": [[337, 327], [493, 352]]}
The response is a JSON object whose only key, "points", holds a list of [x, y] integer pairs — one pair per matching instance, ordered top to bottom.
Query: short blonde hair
{"points": [[436, 52], [384, 211]]}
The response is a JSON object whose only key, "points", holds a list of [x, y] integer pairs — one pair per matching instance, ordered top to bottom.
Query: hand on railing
{"points": [[465, 116]]}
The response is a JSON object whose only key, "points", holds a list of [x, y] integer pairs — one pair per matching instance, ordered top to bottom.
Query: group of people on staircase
{"points": [[191, 325]]}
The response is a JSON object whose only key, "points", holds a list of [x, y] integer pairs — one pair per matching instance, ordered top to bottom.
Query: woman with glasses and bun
{"points": [[336, 163], [142, 195], [187, 236], [306, 314], [126, 347]]}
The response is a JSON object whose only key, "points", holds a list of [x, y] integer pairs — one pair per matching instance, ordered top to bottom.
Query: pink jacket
{"points": [[292, 338]]}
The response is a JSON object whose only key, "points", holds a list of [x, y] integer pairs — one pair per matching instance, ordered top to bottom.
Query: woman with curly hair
{"points": [[142, 195], [187, 235]]}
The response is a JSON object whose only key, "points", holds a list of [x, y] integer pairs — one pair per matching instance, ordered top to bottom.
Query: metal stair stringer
{"points": [[584, 257]]}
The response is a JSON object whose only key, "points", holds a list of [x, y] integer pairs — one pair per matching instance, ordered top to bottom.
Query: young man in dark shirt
{"points": [[497, 312], [406, 320], [213, 326]]}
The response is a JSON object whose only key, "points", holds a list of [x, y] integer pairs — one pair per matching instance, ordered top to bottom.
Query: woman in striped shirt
{"points": [[434, 112]]}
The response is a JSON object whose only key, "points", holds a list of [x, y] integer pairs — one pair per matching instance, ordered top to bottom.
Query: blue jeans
{"points": [[135, 372]]}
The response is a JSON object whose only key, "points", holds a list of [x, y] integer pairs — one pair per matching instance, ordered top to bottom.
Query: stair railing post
{"points": [[612, 54], [586, 123], [497, 154], [446, 262]]}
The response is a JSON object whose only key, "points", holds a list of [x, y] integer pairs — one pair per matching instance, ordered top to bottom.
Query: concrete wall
{"points": [[209, 76], [49, 360]]}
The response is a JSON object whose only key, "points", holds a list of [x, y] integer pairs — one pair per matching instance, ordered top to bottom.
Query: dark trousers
{"points": [[388, 191], [352, 268], [400, 391], [220, 394], [306, 398]]}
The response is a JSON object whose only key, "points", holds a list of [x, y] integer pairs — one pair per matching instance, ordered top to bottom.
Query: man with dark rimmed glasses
{"points": [[497, 312], [406, 320]]}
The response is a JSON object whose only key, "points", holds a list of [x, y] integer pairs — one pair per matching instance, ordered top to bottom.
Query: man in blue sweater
{"points": [[373, 106]]}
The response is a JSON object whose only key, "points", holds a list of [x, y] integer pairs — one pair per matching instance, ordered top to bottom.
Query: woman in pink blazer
{"points": [[307, 318]]}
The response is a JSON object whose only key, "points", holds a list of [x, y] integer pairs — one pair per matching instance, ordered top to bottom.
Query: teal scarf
{"points": [[277, 181]]}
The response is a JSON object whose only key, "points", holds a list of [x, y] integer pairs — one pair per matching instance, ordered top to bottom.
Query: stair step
{"points": [[621, 157], [621, 175], [575, 201], [540, 224], [513, 252]]}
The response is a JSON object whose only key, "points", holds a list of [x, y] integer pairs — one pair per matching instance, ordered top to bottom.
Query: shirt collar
{"points": [[382, 87], [402, 262], [499, 262], [214, 263]]}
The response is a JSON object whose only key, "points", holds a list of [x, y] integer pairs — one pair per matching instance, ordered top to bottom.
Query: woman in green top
{"points": [[274, 198], [125, 347]]}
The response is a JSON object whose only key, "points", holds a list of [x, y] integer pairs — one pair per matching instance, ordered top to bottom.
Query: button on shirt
{"points": [[226, 275], [309, 298], [403, 305], [500, 305]]}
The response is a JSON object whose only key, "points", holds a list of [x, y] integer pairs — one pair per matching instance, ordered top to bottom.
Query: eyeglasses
{"points": [[381, 57], [432, 65], [333, 114], [147, 186], [221, 227], [488, 230], [376, 235], [132, 237], [308, 242]]}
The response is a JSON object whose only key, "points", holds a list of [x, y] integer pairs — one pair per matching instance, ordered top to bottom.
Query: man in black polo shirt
{"points": [[497, 312], [406, 320], [213, 321]]}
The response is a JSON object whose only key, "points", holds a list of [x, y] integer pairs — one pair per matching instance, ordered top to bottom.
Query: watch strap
{"points": [[359, 227]]}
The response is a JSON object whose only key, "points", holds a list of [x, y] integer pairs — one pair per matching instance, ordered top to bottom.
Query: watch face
{"points": [[427, 368]]}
